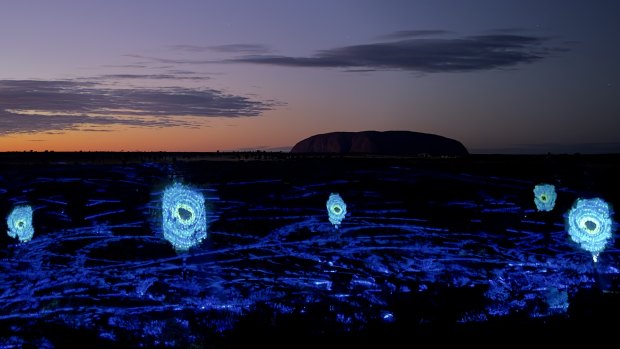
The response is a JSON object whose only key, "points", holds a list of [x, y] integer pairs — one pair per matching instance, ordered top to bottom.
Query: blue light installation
{"points": [[544, 197], [336, 209], [184, 217], [19, 223], [590, 225]]}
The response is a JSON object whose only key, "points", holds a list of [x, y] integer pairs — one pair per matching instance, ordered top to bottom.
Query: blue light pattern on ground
{"points": [[544, 197], [336, 209], [184, 217], [19, 223], [590, 225], [99, 265]]}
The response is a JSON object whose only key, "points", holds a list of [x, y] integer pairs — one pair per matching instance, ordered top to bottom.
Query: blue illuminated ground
{"points": [[424, 250]]}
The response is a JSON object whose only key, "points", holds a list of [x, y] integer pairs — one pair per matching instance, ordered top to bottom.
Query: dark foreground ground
{"points": [[431, 249]]}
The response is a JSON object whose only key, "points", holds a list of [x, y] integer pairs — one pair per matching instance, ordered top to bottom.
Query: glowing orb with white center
{"points": [[544, 197], [336, 209], [184, 216], [19, 223], [590, 225]]}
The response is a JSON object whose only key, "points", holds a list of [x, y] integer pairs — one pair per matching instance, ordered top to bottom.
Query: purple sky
{"points": [[499, 76]]}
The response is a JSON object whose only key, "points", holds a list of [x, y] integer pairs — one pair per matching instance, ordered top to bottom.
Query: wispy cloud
{"points": [[405, 34], [189, 48], [231, 48], [242, 48], [420, 51], [461, 54], [170, 60], [135, 65], [184, 76], [52, 105]]}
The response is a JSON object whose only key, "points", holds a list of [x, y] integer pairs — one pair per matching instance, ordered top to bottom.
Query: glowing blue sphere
{"points": [[544, 197], [336, 209], [184, 217], [19, 222], [590, 225]]}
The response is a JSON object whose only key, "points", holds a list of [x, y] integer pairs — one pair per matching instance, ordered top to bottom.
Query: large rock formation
{"points": [[383, 143]]}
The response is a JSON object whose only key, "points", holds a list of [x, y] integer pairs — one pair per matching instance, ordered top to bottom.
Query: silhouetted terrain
{"points": [[381, 143]]}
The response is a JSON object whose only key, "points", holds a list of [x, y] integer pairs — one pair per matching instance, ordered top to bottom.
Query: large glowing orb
{"points": [[544, 197], [336, 209], [184, 217], [19, 223], [590, 225]]}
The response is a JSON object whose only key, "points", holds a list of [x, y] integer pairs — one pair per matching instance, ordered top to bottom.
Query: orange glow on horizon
{"points": [[224, 134]]}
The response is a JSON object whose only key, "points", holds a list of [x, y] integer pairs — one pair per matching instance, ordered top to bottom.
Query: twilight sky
{"points": [[522, 76]]}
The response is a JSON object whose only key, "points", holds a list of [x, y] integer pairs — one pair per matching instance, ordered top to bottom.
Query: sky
{"points": [[523, 76]]}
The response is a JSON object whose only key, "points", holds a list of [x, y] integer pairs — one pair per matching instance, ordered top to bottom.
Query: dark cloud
{"points": [[463, 54], [38, 106], [11, 122]]}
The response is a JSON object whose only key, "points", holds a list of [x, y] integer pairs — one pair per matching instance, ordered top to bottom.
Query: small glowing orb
{"points": [[544, 197], [336, 209], [184, 217], [20, 223], [590, 225]]}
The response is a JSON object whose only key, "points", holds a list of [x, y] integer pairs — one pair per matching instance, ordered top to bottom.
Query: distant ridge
{"points": [[382, 143]]}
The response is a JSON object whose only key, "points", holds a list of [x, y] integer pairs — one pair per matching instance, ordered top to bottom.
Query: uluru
{"points": [[381, 143]]}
